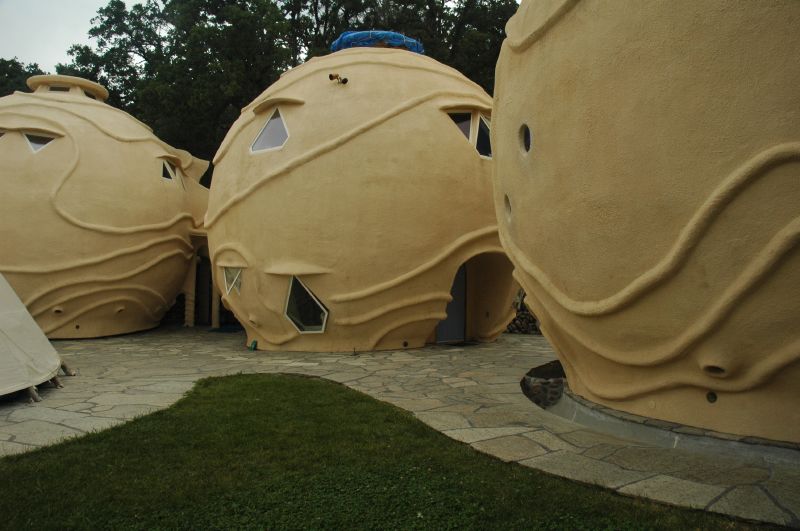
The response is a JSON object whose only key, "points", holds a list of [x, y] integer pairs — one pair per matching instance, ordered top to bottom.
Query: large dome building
{"points": [[647, 165], [351, 208], [96, 213]]}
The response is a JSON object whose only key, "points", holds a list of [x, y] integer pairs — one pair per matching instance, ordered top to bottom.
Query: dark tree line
{"points": [[186, 67]]}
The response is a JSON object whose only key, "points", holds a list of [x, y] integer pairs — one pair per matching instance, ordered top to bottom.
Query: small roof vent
{"points": [[59, 83]]}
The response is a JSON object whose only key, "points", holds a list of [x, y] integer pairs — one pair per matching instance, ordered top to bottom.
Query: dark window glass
{"points": [[59, 89], [90, 95], [463, 121], [273, 135], [37, 142], [484, 144], [165, 171], [307, 314]]}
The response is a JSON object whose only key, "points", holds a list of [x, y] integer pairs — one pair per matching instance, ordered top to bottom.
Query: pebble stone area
{"points": [[472, 394]]}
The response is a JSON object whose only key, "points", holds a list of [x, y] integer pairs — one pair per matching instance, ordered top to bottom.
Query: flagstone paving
{"points": [[471, 394]]}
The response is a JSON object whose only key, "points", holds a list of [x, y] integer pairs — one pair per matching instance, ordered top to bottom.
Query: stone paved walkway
{"points": [[471, 394]]}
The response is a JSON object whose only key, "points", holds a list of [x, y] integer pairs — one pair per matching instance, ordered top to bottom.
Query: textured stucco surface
{"points": [[374, 201], [653, 222], [95, 241]]}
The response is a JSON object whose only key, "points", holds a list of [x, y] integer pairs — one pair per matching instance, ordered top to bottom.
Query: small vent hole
{"points": [[525, 138], [714, 370]]}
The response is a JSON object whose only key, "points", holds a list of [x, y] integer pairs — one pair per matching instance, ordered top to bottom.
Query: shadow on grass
{"points": [[279, 451]]}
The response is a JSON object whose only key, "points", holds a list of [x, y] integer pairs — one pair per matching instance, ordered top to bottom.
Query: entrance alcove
{"points": [[483, 291]]}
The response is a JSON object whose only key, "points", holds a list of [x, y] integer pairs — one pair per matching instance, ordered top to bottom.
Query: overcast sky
{"points": [[40, 31]]}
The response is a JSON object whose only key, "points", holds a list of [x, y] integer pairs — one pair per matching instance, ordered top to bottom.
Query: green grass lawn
{"points": [[275, 452]]}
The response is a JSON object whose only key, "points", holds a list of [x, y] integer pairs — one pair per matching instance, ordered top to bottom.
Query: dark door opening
{"points": [[453, 329]]}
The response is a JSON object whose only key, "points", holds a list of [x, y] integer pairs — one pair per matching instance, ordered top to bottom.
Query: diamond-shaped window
{"points": [[273, 135], [37, 142], [233, 279], [304, 310]]}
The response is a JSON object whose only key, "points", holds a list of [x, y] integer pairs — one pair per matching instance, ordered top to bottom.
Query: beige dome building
{"points": [[648, 193], [351, 208], [96, 213]]}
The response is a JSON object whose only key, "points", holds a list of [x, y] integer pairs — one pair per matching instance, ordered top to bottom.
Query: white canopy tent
{"points": [[27, 358]]}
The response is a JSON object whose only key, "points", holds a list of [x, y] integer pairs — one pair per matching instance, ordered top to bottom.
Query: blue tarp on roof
{"points": [[353, 39]]}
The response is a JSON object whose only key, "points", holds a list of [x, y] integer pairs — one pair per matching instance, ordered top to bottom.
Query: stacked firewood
{"points": [[524, 322]]}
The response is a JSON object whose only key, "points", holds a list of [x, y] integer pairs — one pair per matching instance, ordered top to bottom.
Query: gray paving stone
{"points": [[166, 387], [152, 399], [78, 406], [127, 411], [39, 412], [443, 420], [90, 424], [39, 433], [471, 435], [586, 439], [550, 441], [10, 448], [511, 448], [580, 468], [783, 486], [674, 491], [750, 502]]}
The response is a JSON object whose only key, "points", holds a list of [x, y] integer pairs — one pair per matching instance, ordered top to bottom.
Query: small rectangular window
{"points": [[56, 88]]}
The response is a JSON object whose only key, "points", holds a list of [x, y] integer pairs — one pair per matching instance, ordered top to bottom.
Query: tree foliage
{"points": [[186, 67], [13, 74]]}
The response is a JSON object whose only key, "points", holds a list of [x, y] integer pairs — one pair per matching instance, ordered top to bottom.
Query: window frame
{"points": [[276, 110], [476, 115], [40, 135], [173, 169], [233, 285], [325, 309]]}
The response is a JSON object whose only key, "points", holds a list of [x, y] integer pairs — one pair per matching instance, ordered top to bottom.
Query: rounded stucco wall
{"points": [[373, 202], [653, 222], [95, 241]]}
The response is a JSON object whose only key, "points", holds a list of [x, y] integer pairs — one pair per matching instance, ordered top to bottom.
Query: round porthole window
{"points": [[525, 138]]}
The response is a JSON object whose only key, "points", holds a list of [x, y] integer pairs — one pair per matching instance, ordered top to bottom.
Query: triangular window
{"points": [[90, 95], [463, 120], [476, 129], [274, 134], [37, 142], [484, 144], [167, 170], [233, 279], [304, 310]]}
